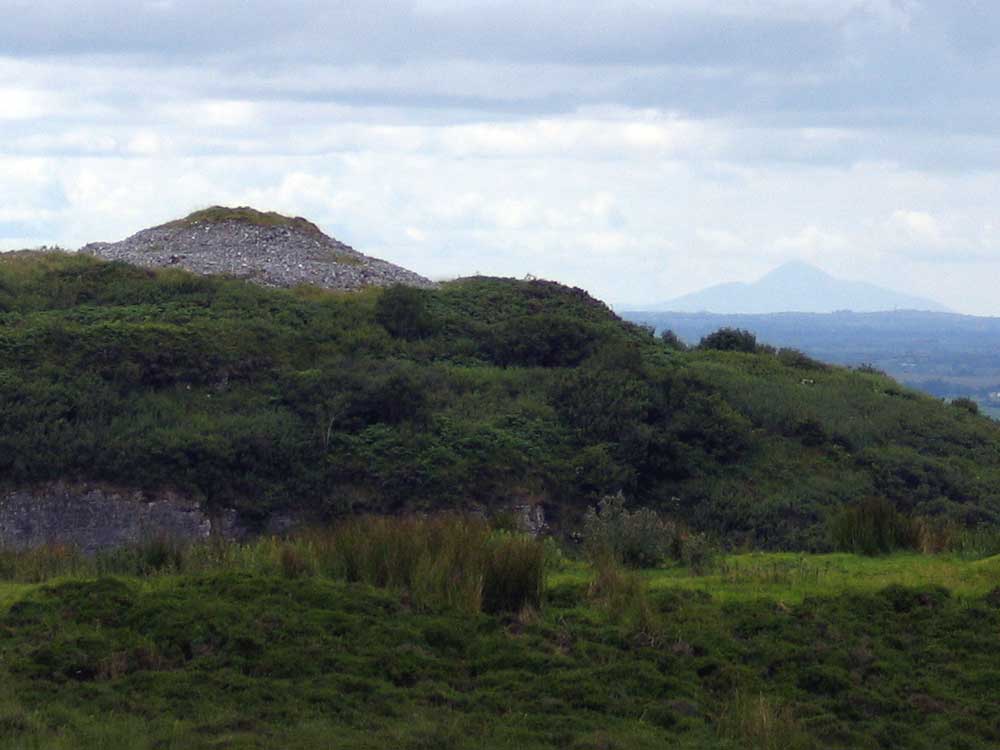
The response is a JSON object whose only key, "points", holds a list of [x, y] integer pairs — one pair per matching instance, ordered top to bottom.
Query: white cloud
{"points": [[23, 104], [640, 149], [916, 226]]}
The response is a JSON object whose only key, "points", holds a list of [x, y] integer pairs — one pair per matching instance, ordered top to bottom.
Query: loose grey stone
{"points": [[265, 248]]}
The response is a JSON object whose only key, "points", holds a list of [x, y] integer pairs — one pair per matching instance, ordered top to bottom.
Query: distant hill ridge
{"points": [[264, 247], [796, 287]]}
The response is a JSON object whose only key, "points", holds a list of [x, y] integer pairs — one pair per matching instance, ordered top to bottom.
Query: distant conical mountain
{"points": [[797, 287]]}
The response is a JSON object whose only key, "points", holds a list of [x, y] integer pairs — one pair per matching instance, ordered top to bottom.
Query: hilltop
{"points": [[264, 247], [796, 287], [944, 354], [480, 394]]}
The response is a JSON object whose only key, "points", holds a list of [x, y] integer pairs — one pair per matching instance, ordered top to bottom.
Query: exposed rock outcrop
{"points": [[266, 248], [93, 517]]}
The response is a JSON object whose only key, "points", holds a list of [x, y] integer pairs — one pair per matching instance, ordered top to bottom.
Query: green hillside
{"points": [[484, 391]]}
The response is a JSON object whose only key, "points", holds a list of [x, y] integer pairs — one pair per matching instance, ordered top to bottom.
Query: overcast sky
{"points": [[641, 149]]}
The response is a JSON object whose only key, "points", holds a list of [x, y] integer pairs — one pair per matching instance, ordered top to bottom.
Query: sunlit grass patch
{"points": [[791, 577], [11, 592]]}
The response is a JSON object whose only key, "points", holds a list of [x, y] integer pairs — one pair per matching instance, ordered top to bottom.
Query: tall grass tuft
{"points": [[873, 527], [976, 543], [442, 561], [39, 564], [624, 595], [755, 722]]}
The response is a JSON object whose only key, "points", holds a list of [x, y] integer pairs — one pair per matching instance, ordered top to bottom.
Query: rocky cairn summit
{"points": [[266, 248]]}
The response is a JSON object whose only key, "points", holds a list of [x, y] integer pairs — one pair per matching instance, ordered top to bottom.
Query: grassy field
{"points": [[790, 577], [289, 644]]}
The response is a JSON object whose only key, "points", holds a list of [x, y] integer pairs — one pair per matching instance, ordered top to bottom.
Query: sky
{"points": [[640, 149]]}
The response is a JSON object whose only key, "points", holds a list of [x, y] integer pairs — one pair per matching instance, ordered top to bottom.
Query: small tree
{"points": [[672, 340], [730, 340]]}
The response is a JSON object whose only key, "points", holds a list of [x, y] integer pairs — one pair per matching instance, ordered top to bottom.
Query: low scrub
{"points": [[641, 538]]}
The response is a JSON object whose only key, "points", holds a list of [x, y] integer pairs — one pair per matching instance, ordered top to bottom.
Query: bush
{"points": [[403, 312], [672, 340], [730, 340], [799, 360], [867, 368], [966, 405], [873, 527], [639, 539], [696, 551]]}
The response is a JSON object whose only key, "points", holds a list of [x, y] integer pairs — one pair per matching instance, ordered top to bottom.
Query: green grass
{"points": [[219, 214], [790, 577], [11, 592], [279, 643], [765, 653]]}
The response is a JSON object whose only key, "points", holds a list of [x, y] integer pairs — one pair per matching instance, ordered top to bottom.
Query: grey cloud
{"points": [[392, 31], [838, 68]]}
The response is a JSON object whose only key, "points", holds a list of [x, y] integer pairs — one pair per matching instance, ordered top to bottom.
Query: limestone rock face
{"points": [[266, 248], [93, 517]]}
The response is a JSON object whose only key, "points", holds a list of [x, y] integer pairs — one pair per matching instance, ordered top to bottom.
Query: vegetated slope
{"points": [[266, 248], [943, 354], [483, 391], [256, 660]]}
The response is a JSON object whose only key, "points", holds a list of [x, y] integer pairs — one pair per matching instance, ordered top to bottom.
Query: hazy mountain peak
{"points": [[796, 270], [797, 286]]}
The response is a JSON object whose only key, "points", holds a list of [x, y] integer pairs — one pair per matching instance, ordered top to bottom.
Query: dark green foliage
{"points": [[403, 311], [672, 340], [730, 340], [795, 358], [484, 389], [966, 404], [871, 527], [639, 539], [255, 660]]}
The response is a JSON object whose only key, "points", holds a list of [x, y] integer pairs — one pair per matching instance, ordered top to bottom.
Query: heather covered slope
{"points": [[485, 391]]}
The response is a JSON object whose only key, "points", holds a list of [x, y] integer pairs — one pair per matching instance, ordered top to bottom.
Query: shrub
{"points": [[403, 311], [672, 340], [730, 340], [799, 360], [868, 368], [966, 405], [873, 527], [639, 539], [696, 551]]}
